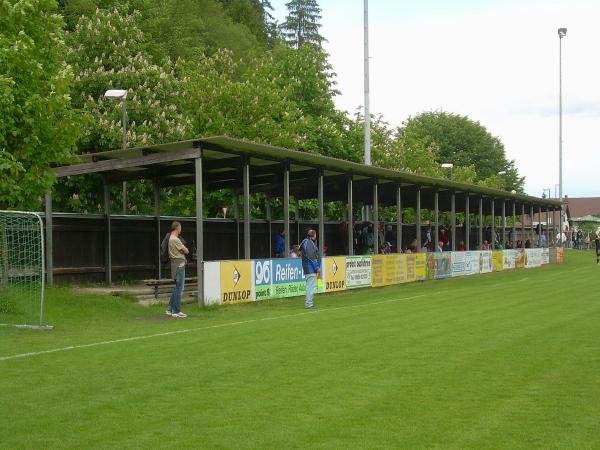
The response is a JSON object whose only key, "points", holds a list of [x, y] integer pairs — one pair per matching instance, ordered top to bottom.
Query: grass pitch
{"points": [[504, 360]]}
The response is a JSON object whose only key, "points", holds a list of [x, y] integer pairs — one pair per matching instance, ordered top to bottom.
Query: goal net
{"points": [[21, 269]]}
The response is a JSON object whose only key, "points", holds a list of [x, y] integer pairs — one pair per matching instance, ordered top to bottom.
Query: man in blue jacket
{"points": [[279, 247], [311, 265]]}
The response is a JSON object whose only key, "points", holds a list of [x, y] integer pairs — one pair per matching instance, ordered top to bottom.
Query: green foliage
{"points": [[301, 26], [107, 52], [38, 126], [463, 142]]}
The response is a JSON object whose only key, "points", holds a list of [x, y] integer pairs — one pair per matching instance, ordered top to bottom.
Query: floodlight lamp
{"points": [[562, 32], [116, 93], [447, 165], [503, 172], [513, 192]]}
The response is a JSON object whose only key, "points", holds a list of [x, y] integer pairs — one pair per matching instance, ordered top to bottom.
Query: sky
{"points": [[494, 61]]}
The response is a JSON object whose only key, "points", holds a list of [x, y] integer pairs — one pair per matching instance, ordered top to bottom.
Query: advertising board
{"points": [[358, 271], [236, 282]]}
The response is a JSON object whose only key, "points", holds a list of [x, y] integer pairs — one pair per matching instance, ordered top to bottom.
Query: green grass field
{"points": [[504, 361]]}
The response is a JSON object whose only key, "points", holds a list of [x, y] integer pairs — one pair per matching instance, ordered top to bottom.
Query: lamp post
{"points": [[562, 32], [122, 95], [367, 124], [448, 166]]}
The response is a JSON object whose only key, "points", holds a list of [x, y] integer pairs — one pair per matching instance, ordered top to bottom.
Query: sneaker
{"points": [[312, 308], [168, 312], [179, 315]]}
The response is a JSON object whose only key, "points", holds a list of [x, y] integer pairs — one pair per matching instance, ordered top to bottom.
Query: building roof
{"points": [[222, 158], [582, 206]]}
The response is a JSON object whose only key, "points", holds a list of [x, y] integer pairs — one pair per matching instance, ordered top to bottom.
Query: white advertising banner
{"points": [[485, 265], [358, 271]]}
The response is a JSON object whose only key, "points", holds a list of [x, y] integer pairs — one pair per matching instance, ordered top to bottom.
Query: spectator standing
{"points": [[597, 244], [279, 247], [177, 252], [311, 265]]}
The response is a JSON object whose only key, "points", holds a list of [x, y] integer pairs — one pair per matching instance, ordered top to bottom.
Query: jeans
{"points": [[311, 287], [175, 301]]}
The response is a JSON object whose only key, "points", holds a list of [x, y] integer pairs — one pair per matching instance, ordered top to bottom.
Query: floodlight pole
{"points": [[562, 32], [367, 124], [124, 125]]}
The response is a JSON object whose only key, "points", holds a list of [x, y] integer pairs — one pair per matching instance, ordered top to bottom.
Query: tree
{"points": [[301, 26], [107, 51], [38, 126], [463, 142]]}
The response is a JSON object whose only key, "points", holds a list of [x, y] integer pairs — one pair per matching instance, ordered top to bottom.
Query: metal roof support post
{"points": [[246, 183], [156, 190], [320, 194], [286, 209], [436, 212], [236, 214], [297, 217], [350, 218], [399, 219], [418, 220], [453, 220], [269, 223], [480, 223], [503, 223], [514, 224], [523, 225], [541, 227], [547, 227], [493, 229], [199, 230], [467, 231], [531, 231], [554, 233], [107, 235], [48, 237], [376, 242]]}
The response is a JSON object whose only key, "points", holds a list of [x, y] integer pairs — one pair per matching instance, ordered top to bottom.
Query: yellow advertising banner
{"points": [[497, 260], [411, 266], [420, 266], [377, 270], [334, 273], [236, 282]]}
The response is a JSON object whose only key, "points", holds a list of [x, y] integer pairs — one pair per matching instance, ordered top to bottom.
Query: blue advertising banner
{"points": [[288, 278]]}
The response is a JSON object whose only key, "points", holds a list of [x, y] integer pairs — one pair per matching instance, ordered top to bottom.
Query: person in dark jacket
{"points": [[279, 248], [311, 265]]}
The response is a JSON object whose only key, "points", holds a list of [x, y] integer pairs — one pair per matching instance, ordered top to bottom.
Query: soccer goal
{"points": [[21, 270]]}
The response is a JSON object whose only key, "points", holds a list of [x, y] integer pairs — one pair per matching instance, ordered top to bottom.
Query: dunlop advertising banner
{"points": [[497, 260], [485, 261], [420, 266], [358, 271], [334, 273], [288, 278], [263, 279], [236, 282]]}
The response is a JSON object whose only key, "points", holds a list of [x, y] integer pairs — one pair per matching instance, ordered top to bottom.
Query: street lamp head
{"points": [[562, 32], [116, 93], [447, 166], [503, 172], [513, 192]]}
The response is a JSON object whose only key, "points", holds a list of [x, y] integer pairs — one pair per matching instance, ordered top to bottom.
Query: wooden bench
{"points": [[166, 285]]}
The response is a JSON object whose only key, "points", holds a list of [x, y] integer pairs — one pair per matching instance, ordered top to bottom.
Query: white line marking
{"points": [[189, 330]]}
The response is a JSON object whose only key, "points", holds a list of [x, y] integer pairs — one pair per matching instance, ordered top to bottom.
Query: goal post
{"points": [[22, 270]]}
